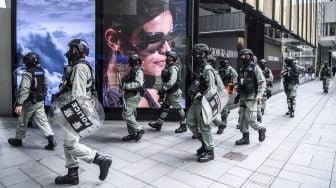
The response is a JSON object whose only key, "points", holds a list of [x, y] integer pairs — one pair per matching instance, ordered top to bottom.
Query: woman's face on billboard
{"points": [[156, 31]]}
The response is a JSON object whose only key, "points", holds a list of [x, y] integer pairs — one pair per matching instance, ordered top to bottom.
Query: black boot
{"points": [[262, 111], [289, 111], [291, 114], [259, 119], [30, 124], [157, 126], [237, 126], [221, 128], [181, 129], [139, 135], [262, 135], [129, 137], [245, 140], [15, 142], [51, 143], [208, 155], [104, 164], [71, 178]]}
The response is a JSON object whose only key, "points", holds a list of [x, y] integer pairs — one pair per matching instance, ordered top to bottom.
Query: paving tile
{"points": [[151, 150], [167, 159], [301, 159], [322, 163], [139, 166], [34, 169], [212, 170], [269, 170], [308, 171], [241, 172], [152, 174], [190, 178], [262, 178], [301, 178], [14, 179], [46, 179], [119, 179], [232, 180], [166, 182], [282, 183], [25, 184], [252, 184], [219, 185]]}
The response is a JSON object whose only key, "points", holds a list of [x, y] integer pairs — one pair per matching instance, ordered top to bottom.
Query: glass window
{"points": [[251, 2], [261, 6], [268, 6], [277, 11], [286, 14], [300, 18], [309, 18], [304, 20], [294, 21], [332, 31]]}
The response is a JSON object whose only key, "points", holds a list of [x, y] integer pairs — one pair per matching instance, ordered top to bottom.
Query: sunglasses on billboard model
{"points": [[150, 42]]}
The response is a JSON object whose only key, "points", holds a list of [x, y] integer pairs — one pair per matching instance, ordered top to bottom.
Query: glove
{"points": [[269, 84], [236, 99]]}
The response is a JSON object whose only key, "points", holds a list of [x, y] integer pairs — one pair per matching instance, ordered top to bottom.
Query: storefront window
{"points": [[148, 28]]}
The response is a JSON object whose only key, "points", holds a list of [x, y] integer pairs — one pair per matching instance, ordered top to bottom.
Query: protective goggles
{"points": [[150, 42]]}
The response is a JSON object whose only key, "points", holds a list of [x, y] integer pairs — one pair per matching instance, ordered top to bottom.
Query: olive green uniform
{"points": [[325, 75], [269, 79], [81, 82], [291, 84], [173, 95], [132, 98], [248, 103], [31, 110], [194, 117]]}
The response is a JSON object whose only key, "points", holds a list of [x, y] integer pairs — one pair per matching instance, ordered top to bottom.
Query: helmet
{"points": [[81, 45], [199, 49], [246, 51], [172, 54], [31, 59], [211, 59], [255, 59], [134, 60], [290, 61], [262, 63]]}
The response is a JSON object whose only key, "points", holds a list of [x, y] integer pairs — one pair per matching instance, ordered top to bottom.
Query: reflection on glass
{"points": [[294, 21]]}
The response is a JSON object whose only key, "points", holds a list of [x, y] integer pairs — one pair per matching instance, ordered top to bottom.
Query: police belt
{"points": [[174, 88], [134, 92]]}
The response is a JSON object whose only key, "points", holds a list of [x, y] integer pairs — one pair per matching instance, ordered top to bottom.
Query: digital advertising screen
{"points": [[46, 27], [148, 28]]}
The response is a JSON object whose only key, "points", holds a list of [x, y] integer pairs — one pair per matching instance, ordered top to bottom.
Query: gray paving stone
{"points": [[151, 150], [301, 159], [169, 160], [322, 163], [139, 166], [34, 169], [212, 170], [272, 171], [308, 171], [241, 172], [154, 173], [190, 178], [262, 178], [301, 178], [14, 179], [46, 179], [232, 180], [166, 182], [282, 183], [25, 184], [252, 184], [219, 185]]}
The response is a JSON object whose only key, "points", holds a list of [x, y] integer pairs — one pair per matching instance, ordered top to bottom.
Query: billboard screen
{"points": [[46, 27], [148, 28]]}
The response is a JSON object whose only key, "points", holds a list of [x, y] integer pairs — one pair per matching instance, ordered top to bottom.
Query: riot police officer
{"points": [[325, 75], [229, 77], [203, 80], [80, 83], [291, 83], [132, 84], [251, 87], [170, 92], [268, 92], [30, 101]]}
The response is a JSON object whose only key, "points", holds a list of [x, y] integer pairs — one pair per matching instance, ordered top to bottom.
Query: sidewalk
{"points": [[298, 152]]}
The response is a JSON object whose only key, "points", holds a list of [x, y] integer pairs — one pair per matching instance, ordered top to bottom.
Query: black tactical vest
{"points": [[266, 72], [166, 74], [292, 76], [247, 80], [37, 90]]}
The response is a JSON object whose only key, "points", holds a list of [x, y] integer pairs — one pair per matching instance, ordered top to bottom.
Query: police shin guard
{"points": [[289, 111], [259, 118], [245, 140], [15, 142], [51, 143], [202, 149], [208, 155], [104, 164], [71, 178]]}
